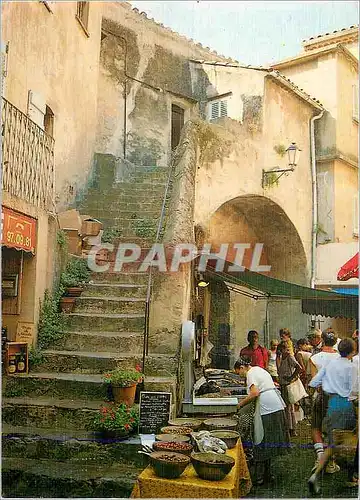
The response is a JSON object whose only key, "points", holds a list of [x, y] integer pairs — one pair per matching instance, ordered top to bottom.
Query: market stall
{"points": [[236, 484]]}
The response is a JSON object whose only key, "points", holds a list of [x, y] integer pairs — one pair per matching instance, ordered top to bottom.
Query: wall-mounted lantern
{"points": [[268, 177]]}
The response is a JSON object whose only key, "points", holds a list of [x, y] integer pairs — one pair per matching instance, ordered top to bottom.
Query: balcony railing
{"points": [[27, 158]]}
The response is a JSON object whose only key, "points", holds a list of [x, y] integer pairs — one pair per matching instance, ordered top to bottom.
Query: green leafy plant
{"points": [[280, 149], [271, 180], [144, 228], [110, 234], [61, 238], [76, 273], [51, 321], [36, 357], [123, 378], [113, 417]]}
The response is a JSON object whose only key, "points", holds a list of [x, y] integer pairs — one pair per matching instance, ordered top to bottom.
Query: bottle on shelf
{"points": [[21, 362], [12, 364]]}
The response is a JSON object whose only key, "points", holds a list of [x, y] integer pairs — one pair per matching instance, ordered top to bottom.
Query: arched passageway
{"points": [[255, 219]]}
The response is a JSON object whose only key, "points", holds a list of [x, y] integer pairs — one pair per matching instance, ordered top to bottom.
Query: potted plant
{"points": [[75, 276], [67, 304], [123, 384], [116, 421]]}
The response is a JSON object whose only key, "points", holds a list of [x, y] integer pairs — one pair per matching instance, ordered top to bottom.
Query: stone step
{"points": [[101, 209], [126, 213], [131, 222], [117, 278], [115, 290], [118, 305], [106, 322], [115, 342], [160, 365], [73, 386], [50, 413], [65, 445], [54, 479]]}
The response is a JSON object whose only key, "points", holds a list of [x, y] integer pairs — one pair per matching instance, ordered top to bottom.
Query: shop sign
{"points": [[18, 230], [25, 332]]}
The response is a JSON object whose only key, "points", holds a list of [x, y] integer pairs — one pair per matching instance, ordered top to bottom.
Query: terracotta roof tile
{"points": [[332, 33]]}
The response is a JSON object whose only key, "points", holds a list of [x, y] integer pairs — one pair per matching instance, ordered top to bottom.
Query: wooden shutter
{"points": [[36, 108], [223, 108]]}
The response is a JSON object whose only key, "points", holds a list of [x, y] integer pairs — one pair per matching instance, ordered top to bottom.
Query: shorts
{"points": [[319, 410], [340, 415]]}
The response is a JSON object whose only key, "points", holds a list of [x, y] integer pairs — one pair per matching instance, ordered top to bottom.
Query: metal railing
{"points": [[27, 158], [149, 284]]}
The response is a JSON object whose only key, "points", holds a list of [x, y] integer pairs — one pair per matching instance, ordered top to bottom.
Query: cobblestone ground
{"points": [[293, 470]]}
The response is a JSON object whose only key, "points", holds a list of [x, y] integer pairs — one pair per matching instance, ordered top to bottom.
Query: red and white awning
{"points": [[350, 269]]}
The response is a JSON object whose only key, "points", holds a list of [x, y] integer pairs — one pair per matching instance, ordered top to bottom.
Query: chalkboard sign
{"points": [[154, 411]]}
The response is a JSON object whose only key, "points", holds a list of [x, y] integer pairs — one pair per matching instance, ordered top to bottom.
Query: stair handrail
{"points": [[149, 283]]}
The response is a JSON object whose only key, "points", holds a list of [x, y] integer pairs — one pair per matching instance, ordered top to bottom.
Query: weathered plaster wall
{"points": [[150, 66], [65, 75], [347, 129], [346, 200], [280, 217]]}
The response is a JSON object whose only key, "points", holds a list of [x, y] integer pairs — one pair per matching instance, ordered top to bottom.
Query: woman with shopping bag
{"points": [[292, 389], [270, 437]]}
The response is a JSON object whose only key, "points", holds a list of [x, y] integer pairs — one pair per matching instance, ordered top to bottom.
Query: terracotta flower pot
{"points": [[74, 291], [67, 304], [124, 394]]}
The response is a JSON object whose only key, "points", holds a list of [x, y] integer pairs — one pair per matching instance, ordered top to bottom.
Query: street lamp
{"points": [[268, 178]]}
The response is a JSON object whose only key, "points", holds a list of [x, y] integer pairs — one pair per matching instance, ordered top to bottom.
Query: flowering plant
{"points": [[123, 378], [113, 417]]}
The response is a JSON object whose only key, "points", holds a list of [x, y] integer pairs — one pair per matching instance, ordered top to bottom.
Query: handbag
{"points": [[295, 391]]}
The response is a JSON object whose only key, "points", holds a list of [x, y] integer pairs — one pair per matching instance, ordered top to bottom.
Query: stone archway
{"points": [[257, 219]]}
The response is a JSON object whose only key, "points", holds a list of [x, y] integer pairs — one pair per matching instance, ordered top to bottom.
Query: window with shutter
{"points": [[355, 107], [36, 108], [217, 109], [356, 215]]}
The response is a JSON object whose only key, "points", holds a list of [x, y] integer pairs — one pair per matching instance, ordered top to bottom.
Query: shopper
{"points": [[315, 340], [257, 353], [272, 369], [337, 381], [292, 389], [321, 400], [270, 436]]}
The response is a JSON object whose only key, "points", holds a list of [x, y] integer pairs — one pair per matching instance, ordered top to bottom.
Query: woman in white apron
{"points": [[270, 436]]}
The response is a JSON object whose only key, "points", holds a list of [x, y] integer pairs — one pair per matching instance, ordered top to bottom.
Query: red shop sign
{"points": [[18, 230]]}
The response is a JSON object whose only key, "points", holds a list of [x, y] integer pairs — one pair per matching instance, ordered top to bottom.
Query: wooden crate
{"points": [[14, 349]]}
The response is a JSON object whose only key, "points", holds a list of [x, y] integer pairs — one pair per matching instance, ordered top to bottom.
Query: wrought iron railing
{"points": [[27, 158]]}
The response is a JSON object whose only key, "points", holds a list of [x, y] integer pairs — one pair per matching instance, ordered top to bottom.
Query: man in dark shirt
{"points": [[258, 354]]}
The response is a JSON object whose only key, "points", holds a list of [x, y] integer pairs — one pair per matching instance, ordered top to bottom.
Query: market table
{"points": [[236, 484]]}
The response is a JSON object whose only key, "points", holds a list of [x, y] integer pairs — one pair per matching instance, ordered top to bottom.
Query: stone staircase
{"points": [[47, 449]]}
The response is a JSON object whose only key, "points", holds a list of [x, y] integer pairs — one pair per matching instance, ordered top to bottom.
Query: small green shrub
{"points": [[280, 149], [144, 228], [110, 234], [61, 238], [76, 273], [51, 321], [36, 357], [123, 378]]}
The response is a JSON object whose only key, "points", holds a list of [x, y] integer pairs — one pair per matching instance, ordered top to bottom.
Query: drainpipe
{"points": [[314, 197]]}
